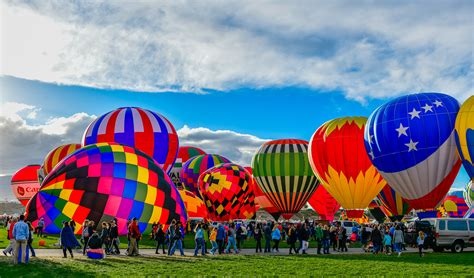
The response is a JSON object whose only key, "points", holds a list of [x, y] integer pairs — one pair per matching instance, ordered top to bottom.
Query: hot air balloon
{"points": [[138, 128], [464, 135], [411, 142], [184, 154], [56, 155], [338, 158], [197, 165], [282, 172], [104, 181], [25, 183], [226, 191], [469, 198], [261, 201], [394, 203], [324, 204], [454, 204], [195, 207], [375, 208]]}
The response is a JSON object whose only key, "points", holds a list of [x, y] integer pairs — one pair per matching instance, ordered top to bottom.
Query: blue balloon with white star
{"points": [[410, 141]]}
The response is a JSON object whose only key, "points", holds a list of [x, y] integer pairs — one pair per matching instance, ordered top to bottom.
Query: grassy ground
{"points": [[146, 242], [443, 264]]}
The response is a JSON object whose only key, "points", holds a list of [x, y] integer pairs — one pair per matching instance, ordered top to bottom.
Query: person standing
{"points": [[39, 227], [87, 231], [267, 232], [20, 233], [258, 234], [134, 235], [170, 235], [239, 235], [318, 235], [276, 236], [105, 237], [114, 237], [292, 237], [333, 237], [220, 238], [364, 238], [30, 239], [160, 239], [231, 239], [376, 239], [68, 240], [178, 240], [199, 240], [213, 240], [326, 240], [398, 240], [420, 241], [387, 243], [11, 245]]}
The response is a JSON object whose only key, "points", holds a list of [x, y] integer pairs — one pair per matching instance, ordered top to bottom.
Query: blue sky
{"points": [[229, 75]]}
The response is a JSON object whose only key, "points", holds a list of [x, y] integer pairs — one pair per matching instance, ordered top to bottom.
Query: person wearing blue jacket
{"points": [[21, 233], [276, 236], [220, 238], [199, 239], [68, 240]]}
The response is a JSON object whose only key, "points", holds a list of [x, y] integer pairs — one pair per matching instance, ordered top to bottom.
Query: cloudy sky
{"points": [[228, 74]]}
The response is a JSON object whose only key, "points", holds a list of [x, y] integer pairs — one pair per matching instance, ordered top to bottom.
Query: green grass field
{"points": [[443, 264]]}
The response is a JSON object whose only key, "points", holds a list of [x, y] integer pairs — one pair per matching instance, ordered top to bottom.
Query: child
{"points": [[420, 241], [387, 242]]}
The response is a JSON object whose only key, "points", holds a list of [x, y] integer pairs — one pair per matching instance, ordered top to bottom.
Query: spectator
{"points": [[39, 227], [20, 233], [267, 233], [258, 234], [133, 235], [276, 236], [30, 239], [160, 239], [68, 240], [11, 245]]}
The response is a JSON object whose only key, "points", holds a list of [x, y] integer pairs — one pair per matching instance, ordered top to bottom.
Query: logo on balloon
{"points": [[20, 190]]}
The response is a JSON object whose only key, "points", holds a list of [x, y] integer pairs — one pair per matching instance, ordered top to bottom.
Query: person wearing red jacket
{"points": [[134, 235], [10, 237]]}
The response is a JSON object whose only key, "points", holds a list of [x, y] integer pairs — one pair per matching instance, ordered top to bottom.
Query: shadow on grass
{"points": [[38, 268]]}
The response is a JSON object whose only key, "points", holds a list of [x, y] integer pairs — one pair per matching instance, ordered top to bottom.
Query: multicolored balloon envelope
{"points": [[138, 128], [465, 135], [411, 142], [58, 154], [184, 154], [338, 158], [197, 165], [282, 172], [104, 181], [25, 183], [227, 193], [469, 194], [261, 200], [394, 203], [324, 204], [454, 204], [195, 207], [375, 208]]}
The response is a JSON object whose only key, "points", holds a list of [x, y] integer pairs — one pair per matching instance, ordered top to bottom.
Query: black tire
{"points": [[457, 246]]}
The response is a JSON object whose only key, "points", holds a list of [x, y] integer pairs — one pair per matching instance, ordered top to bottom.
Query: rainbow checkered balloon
{"points": [[197, 165], [106, 181], [227, 192]]}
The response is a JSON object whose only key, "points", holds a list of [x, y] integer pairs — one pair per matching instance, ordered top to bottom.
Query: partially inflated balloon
{"points": [[139, 128], [465, 135], [411, 142], [58, 154], [184, 154], [338, 158], [197, 165], [282, 172], [104, 181], [25, 183], [227, 193], [469, 194], [261, 200], [394, 203], [324, 204], [454, 204], [195, 207], [376, 211]]}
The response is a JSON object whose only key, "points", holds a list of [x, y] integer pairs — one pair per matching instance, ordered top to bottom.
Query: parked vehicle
{"points": [[347, 225], [413, 228], [453, 233]]}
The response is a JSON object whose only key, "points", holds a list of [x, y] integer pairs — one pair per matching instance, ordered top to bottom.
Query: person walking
{"points": [[39, 227], [87, 231], [20, 233], [267, 233], [133, 235], [170, 235], [239, 235], [257, 235], [318, 235], [276, 236], [304, 237], [333, 237], [114, 238], [220, 238], [292, 238], [364, 238], [30, 239], [160, 239], [213, 239], [231, 239], [376, 239], [68, 240], [199, 240], [326, 240], [398, 240], [177, 241], [420, 241], [387, 243], [11, 245]]}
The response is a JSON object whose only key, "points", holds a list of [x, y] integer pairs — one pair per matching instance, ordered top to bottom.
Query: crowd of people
{"points": [[217, 238]]}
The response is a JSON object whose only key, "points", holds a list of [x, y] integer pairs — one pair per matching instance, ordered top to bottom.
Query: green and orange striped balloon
{"points": [[58, 154], [282, 171]]}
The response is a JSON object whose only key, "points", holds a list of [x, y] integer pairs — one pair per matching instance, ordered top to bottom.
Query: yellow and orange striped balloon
{"points": [[58, 154]]}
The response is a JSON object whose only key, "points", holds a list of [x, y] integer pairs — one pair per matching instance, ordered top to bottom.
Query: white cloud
{"points": [[365, 49], [22, 143], [237, 147]]}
